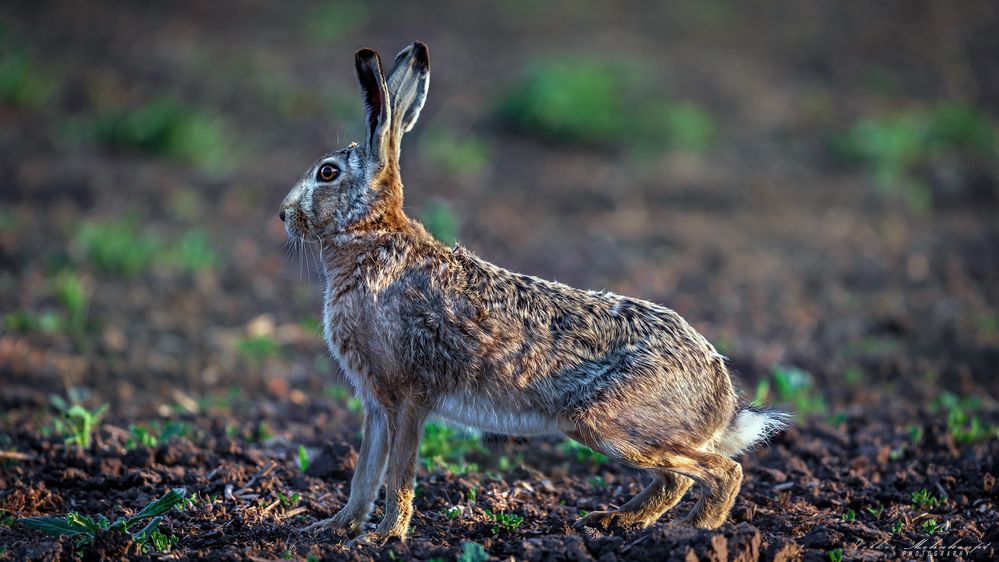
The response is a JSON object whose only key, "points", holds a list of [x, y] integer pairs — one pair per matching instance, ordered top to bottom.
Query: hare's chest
{"points": [[356, 336]]}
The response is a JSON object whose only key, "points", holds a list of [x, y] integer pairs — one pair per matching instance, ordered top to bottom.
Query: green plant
{"points": [[331, 22], [23, 83], [592, 101], [163, 127], [895, 148], [464, 157], [441, 221], [117, 246], [194, 252], [71, 295], [26, 321], [258, 348], [793, 386], [75, 423], [964, 427], [152, 435], [447, 447], [581, 452], [303, 458], [597, 482], [472, 495], [924, 498], [289, 501], [876, 511], [453, 512], [849, 515], [508, 522], [930, 526], [896, 527], [82, 529], [472, 552], [835, 555]]}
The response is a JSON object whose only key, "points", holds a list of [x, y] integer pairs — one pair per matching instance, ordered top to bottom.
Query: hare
{"points": [[422, 329]]}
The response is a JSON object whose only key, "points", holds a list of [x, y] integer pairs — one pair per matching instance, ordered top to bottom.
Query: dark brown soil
{"points": [[774, 249]]}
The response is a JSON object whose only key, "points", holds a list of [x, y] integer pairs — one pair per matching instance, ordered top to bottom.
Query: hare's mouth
{"points": [[297, 226]]}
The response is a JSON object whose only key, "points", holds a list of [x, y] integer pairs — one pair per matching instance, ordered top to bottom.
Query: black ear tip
{"points": [[421, 54], [366, 55]]}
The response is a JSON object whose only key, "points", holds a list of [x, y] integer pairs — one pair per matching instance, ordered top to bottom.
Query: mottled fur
{"points": [[423, 329]]}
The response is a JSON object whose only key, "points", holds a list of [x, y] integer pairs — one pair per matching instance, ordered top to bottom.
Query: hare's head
{"points": [[358, 188]]}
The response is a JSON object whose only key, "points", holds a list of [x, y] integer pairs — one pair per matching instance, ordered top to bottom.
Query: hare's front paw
{"points": [[607, 519], [347, 520]]}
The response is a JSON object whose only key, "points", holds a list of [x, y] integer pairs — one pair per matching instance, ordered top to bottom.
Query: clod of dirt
{"points": [[335, 461], [110, 545], [46, 551]]}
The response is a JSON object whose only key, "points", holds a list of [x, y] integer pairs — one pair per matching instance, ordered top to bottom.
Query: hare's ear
{"points": [[408, 82], [377, 107]]}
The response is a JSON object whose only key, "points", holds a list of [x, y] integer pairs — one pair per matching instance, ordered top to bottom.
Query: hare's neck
{"points": [[351, 261]]}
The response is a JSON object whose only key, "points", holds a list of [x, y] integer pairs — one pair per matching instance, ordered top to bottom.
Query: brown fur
{"points": [[421, 329]]}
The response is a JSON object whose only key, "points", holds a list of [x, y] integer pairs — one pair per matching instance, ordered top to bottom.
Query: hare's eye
{"points": [[327, 172]]}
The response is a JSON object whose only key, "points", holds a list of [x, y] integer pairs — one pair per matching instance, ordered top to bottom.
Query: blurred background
{"points": [[812, 184]]}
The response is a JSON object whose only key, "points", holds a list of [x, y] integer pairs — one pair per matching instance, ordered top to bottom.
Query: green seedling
{"points": [[331, 22], [23, 84], [592, 101], [161, 127], [894, 149], [461, 157], [441, 221], [117, 247], [194, 252], [69, 291], [27, 321], [258, 349], [793, 386], [75, 423], [964, 427], [152, 435], [446, 447], [582, 453], [303, 458], [597, 482], [472, 495], [925, 499], [289, 501], [876, 511], [453, 512], [849, 516], [508, 522], [930, 526], [896, 527], [83, 529], [472, 552], [835, 555]]}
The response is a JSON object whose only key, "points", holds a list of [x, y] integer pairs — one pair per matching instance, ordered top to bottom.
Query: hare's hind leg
{"points": [[368, 475], [719, 476], [665, 491]]}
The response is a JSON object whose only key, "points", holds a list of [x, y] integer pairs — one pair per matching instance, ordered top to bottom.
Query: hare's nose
{"points": [[281, 215]]}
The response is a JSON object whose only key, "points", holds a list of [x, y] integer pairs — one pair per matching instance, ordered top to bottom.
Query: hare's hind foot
{"points": [[718, 496], [647, 507], [345, 520]]}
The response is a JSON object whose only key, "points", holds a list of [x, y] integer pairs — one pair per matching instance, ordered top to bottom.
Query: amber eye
{"points": [[327, 172]]}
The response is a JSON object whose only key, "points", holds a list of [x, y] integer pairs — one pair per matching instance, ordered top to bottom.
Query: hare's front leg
{"points": [[406, 429], [368, 475]]}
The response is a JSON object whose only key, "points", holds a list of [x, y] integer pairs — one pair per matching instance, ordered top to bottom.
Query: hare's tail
{"points": [[750, 426]]}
